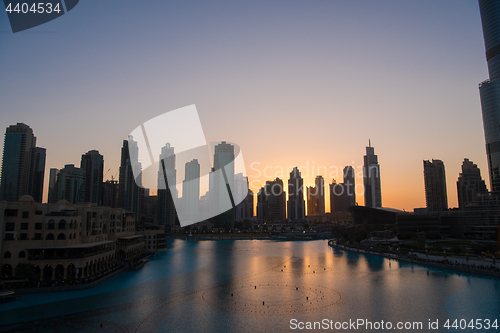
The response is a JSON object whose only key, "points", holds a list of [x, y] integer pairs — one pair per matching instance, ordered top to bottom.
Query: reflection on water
{"points": [[214, 286]]}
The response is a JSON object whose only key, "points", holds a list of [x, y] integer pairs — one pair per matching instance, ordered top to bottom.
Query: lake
{"points": [[261, 286]]}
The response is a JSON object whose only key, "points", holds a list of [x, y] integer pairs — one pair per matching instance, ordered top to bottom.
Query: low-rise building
{"points": [[65, 241]]}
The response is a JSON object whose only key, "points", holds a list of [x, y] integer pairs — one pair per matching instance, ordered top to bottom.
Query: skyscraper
{"points": [[489, 90], [223, 158], [93, 164], [23, 165], [37, 173], [371, 178], [70, 184], [52, 185], [470, 185], [350, 187], [110, 189], [191, 189], [130, 192], [342, 195], [436, 196], [316, 197], [275, 200], [296, 203], [261, 204], [166, 209], [243, 210]]}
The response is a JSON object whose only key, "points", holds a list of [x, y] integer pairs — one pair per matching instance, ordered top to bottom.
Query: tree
{"points": [[26, 271]]}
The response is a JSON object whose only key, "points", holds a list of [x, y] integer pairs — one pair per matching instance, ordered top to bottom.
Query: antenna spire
{"points": [[369, 143]]}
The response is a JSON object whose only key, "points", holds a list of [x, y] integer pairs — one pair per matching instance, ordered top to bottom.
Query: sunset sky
{"points": [[293, 83]]}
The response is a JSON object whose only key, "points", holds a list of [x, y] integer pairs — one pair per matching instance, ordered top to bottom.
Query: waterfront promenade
{"points": [[468, 265]]}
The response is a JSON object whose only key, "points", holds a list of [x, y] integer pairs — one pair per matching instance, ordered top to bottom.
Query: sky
{"points": [[293, 83]]}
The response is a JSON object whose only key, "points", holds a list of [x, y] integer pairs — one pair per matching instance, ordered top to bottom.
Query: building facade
{"points": [[489, 90], [23, 164], [93, 164], [371, 178], [70, 184], [52, 185], [470, 186], [221, 187], [191, 190], [130, 191], [342, 195], [436, 197], [316, 198], [275, 201], [296, 203], [243, 210], [167, 215], [65, 241]]}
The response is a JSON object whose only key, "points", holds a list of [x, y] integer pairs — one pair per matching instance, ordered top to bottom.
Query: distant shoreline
{"points": [[452, 267]]}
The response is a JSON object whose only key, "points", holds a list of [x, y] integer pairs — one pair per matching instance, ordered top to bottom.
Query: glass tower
{"points": [[489, 90], [23, 164], [93, 164], [371, 178], [296, 203]]}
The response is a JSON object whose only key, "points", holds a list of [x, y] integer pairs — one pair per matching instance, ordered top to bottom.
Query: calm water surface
{"points": [[259, 286]]}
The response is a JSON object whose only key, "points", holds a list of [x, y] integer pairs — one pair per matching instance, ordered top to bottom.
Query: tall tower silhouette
{"points": [[489, 90], [371, 177]]}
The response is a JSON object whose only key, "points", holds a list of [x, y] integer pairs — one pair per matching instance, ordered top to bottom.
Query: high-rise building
{"points": [[489, 90], [223, 161], [23, 164], [93, 164], [37, 173], [371, 178], [70, 184], [349, 184], [53, 185], [470, 185], [191, 189], [130, 191], [110, 193], [320, 194], [342, 195], [336, 196], [436, 196], [316, 197], [275, 200], [296, 203], [261, 204], [312, 208], [243, 210], [167, 215]]}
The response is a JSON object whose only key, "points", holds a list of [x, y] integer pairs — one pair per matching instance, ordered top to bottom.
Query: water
{"points": [[260, 286]]}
